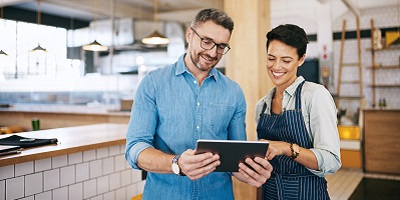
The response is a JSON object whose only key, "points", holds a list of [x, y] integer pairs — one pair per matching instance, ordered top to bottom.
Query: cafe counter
{"points": [[87, 162]]}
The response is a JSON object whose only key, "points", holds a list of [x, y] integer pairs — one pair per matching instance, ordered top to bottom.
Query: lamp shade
{"points": [[155, 38], [94, 46], [39, 49], [2, 53]]}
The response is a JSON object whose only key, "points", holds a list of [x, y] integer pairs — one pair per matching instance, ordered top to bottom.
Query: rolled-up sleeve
{"points": [[142, 123], [323, 126]]}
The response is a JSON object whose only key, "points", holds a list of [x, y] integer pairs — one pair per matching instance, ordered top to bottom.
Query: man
{"points": [[189, 100]]}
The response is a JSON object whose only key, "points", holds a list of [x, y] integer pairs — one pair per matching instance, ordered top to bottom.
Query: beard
{"points": [[195, 58]]}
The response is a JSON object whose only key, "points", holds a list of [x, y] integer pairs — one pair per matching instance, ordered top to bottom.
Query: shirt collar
{"points": [[182, 68], [291, 90]]}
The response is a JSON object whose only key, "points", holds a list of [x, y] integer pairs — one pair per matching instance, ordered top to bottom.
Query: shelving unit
{"points": [[376, 67]]}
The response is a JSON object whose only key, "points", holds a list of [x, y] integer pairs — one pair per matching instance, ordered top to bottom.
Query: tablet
{"points": [[232, 152]]}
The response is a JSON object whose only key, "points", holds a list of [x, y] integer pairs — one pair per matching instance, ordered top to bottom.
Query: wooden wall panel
{"points": [[245, 64], [382, 141]]}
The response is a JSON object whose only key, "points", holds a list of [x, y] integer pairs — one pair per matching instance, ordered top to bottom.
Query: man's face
{"points": [[207, 33]]}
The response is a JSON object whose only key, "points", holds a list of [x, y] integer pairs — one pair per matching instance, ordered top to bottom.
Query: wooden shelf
{"points": [[385, 48], [350, 64], [376, 66], [384, 67], [350, 82], [384, 85], [348, 97]]}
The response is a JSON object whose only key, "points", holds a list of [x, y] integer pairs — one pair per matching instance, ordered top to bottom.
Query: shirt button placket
{"points": [[198, 113]]}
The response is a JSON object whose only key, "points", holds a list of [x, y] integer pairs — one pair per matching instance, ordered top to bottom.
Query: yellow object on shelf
{"points": [[392, 37], [10, 129], [349, 132], [137, 197]]}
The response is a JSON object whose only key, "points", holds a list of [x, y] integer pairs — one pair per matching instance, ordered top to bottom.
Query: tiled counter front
{"points": [[101, 174]]}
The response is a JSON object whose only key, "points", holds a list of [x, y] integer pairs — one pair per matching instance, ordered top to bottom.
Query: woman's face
{"points": [[282, 63]]}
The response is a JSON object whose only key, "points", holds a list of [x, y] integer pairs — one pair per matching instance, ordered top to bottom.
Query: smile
{"points": [[207, 58], [278, 74]]}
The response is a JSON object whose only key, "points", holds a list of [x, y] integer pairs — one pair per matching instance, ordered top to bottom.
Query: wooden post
{"points": [[245, 63]]}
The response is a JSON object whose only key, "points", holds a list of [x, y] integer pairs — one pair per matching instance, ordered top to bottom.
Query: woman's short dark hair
{"points": [[217, 16], [291, 35]]}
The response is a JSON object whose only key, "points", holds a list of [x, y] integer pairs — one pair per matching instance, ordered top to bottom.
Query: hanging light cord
{"points": [[95, 5], [1, 10], [38, 13], [155, 15], [398, 15]]}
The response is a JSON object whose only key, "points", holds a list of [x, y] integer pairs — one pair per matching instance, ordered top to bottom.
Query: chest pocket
{"points": [[219, 117]]}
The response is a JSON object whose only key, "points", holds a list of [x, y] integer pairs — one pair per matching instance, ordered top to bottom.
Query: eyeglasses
{"points": [[208, 44]]}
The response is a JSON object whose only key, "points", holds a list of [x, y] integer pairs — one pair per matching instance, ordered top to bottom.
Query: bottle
{"points": [[384, 103], [35, 124]]}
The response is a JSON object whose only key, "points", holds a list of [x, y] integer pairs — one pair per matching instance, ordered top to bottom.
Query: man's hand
{"points": [[197, 166], [258, 176]]}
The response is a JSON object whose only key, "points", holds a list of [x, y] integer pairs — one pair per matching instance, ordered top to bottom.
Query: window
{"points": [[19, 38]]}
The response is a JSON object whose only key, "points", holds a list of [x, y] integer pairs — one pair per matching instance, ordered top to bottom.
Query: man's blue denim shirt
{"points": [[171, 112]]}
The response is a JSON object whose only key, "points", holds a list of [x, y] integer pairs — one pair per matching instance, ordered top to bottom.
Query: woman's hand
{"points": [[277, 148]]}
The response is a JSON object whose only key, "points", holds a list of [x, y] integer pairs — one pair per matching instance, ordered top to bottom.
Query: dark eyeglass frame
{"points": [[224, 47]]}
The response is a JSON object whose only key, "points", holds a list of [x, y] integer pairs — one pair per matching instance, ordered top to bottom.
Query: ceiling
{"points": [[179, 10]]}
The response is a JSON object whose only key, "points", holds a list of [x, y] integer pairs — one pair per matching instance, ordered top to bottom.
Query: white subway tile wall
{"points": [[89, 155], [75, 158], [59, 161], [42, 165], [108, 165], [24, 168], [95, 169], [6, 172], [82, 172], [67, 175], [94, 175], [51, 179], [33, 184], [15, 188], [89, 188], [2, 190], [75, 191], [60, 193], [109, 195], [43, 196], [28, 198]]}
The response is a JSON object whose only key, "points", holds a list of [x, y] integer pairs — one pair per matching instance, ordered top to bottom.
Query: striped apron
{"points": [[289, 179]]}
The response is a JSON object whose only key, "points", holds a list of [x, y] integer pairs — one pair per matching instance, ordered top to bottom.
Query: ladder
{"points": [[357, 64]]}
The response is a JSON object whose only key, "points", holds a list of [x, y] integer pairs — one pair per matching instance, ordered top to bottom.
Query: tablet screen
{"points": [[232, 152]]}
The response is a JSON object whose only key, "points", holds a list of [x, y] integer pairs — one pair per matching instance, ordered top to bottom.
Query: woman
{"points": [[298, 118]]}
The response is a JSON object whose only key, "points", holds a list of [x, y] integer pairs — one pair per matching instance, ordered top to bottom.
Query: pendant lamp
{"points": [[155, 38], [94, 46], [38, 48], [2, 53]]}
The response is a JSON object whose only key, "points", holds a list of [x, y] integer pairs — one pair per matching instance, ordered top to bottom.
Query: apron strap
{"points": [[298, 95]]}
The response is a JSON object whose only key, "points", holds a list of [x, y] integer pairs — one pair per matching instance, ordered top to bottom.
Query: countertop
{"points": [[65, 109], [70, 140]]}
